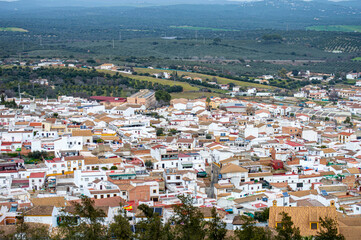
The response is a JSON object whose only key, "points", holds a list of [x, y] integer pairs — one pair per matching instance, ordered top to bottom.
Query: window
{"points": [[168, 177], [177, 177], [299, 185], [154, 190], [124, 193], [108, 195], [96, 196], [102, 196], [278, 225], [314, 225]]}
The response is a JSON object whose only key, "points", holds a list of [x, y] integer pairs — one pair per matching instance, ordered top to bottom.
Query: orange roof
{"points": [[35, 124]]}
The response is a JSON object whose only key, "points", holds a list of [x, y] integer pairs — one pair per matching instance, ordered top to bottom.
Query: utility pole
{"points": [[19, 91]]}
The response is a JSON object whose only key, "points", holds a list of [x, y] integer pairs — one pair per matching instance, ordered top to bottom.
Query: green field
{"points": [[203, 28], [336, 28], [12, 29], [357, 59], [204, 76], [186, 86], [194, 95]]}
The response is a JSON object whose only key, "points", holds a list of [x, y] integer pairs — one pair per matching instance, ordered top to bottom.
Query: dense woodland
{"points": [[67, 81], [187, 223]]}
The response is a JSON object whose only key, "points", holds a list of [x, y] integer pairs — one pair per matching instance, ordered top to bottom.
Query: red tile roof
{"points": [[37, 175]]}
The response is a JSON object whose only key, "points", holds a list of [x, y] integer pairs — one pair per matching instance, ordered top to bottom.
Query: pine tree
{"points": [[188, 220], [86, 222], [216, 228], [120, 229], [286, 230], [328, 230], [251, 232]]}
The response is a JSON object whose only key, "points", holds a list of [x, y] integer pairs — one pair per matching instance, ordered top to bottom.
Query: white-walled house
{"points": [[36, 180]]}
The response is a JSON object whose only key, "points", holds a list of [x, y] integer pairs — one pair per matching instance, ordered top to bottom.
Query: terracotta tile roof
{"points": [[35, 124], [82, 133], [328, 150], [72, 158], [233, 168], [353, 170], [37, 175], [223, 186], [303, 193], [250, 198], [49, 201], [39, 211], [302, 217]]}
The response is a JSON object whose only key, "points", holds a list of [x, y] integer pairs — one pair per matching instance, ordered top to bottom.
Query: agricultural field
{"points": [[336, 28], [12, 29], [351, 44], [204, 77], [186, 86], [194, 95]]}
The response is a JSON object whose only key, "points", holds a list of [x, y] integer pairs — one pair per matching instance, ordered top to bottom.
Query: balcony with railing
{"points": [[170, 157]]}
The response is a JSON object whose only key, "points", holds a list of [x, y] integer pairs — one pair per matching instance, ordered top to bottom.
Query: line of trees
{"points": [[68, 81], [187, 223]]}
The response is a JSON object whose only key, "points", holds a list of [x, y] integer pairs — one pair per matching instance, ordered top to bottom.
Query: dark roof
{"points": [[40, 211]]}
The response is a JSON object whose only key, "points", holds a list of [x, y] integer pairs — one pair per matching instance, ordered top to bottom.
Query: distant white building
{"points": [[106, 66], [352, 76], [267, 77], [300, 95]]}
